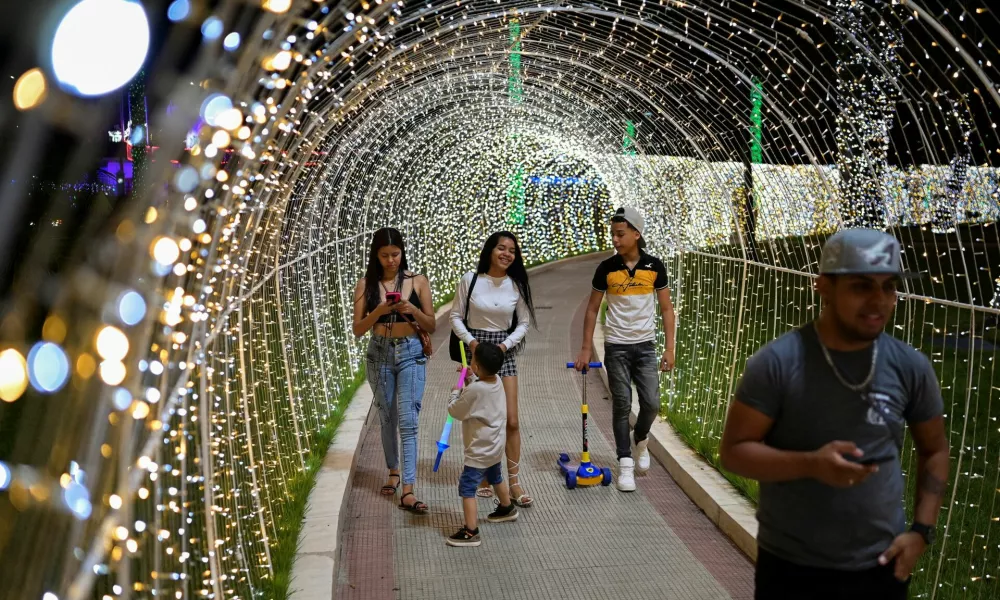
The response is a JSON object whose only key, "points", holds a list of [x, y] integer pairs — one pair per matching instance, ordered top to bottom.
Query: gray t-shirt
{"points": [[482, 409], [807, 522]]}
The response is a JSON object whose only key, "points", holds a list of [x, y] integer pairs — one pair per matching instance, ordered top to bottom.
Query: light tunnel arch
{"points": [[265, 356]]}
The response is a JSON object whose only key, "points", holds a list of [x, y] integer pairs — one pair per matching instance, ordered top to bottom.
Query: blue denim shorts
{"points": [[471, 476]]}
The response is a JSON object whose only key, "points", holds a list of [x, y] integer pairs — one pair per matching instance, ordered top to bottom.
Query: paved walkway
{"points": [[582, 543]]}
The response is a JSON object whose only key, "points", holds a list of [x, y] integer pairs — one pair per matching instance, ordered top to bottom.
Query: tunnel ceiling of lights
{"points": [[171, 359]]}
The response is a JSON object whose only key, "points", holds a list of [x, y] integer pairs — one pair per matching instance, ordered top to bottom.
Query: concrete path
{"points": [[583, 543]]}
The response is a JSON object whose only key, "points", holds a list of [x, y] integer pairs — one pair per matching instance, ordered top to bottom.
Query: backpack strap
{"points": [[468, 298]]}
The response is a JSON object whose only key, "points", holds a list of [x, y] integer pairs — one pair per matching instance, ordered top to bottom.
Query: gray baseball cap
{"points": [[632, 216], [862, 252]]}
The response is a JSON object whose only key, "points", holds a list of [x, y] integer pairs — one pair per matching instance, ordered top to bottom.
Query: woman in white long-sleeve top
{"points": [[500, 312]]}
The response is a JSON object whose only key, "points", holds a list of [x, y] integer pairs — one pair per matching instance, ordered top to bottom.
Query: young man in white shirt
{"points": [[633, 282]]}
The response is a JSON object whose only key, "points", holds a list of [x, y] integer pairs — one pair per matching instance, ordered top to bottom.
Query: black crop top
{"points": [[395, 317]]}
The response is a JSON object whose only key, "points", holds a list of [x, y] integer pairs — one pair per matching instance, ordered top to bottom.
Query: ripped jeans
{"points": [[397, 372]]}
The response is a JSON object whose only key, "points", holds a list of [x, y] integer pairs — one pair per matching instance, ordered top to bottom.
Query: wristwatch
{"points": [[925, 531]]}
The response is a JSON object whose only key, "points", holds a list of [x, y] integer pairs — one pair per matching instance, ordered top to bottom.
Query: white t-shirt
{"points": [[494, 301], [482, 409]]}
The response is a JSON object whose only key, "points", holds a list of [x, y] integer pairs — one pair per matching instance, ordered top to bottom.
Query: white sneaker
{"points": [[642, 456], [626, 475]]}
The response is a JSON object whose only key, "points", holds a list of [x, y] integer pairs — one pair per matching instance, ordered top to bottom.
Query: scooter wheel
{"points": [[564, 458], [607, 476], [570, 480]]}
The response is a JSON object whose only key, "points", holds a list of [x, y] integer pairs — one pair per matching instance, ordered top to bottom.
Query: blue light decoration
{"points": [[179, 10], [212, 28], [232, 41], [213, 106], [138, 135], [556, 180], [131, 307], [48, 367], [122, 399], [77, 499]]}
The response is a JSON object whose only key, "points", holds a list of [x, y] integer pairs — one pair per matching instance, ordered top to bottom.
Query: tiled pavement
{"points": [[582, 543]]}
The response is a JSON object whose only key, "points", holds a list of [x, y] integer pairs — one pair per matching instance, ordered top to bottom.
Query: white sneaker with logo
{"points": [[642, 456], [626, 475]]}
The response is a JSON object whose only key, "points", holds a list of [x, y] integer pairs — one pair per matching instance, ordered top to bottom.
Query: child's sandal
{"points": [[417, 507]]}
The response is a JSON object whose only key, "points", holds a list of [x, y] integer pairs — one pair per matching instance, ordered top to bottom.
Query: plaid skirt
{"points": [[509, 368]]}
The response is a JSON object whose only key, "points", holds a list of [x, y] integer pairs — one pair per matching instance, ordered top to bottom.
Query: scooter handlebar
{"points": [[593, 365]]}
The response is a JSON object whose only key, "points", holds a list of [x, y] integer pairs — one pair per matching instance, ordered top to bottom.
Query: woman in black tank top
{"points": [[386, 301]]}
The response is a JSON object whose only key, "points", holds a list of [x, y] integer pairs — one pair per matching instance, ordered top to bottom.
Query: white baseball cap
{"points": [[632, 216]]}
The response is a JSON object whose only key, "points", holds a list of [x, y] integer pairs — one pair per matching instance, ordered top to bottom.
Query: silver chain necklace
{"points": [[859, 387]]}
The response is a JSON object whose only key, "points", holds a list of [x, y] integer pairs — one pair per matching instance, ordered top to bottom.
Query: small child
{"points": [[482, 408]]}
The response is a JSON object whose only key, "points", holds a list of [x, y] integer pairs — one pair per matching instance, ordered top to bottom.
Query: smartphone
{"points": [[393, 297], [875, 460]]}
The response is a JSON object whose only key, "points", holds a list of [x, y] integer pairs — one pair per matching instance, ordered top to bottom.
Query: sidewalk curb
{"points": [[707, 488], [318, 557]]}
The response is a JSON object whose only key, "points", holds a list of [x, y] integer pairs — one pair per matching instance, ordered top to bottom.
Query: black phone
{"points": [[875, 460]]}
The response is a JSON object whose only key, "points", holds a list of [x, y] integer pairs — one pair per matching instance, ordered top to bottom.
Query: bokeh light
{"points": [[277, 6], [179, 10], [212, 28], [231, 42], [88, 56], [30, 89], [215, 106], [165, 250], [131, 307], [111, 343], [48, 367], [113, 372], [13, 375]]}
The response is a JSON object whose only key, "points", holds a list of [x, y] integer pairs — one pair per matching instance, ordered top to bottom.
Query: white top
{"points": [[493, 303], [482, 409]]}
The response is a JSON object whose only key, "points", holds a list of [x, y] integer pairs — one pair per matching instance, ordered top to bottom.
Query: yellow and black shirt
{"points": [[631, 295]]}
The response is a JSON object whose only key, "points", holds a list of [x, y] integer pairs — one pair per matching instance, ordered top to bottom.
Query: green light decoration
{"points": [[514, 87], [515, 92], [756, 122], [628, 140], [515, 196], [747, 209]]}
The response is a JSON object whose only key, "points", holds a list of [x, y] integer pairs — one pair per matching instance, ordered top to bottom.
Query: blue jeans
{"points": [[625, 364], [397, 372], [471, 476]]}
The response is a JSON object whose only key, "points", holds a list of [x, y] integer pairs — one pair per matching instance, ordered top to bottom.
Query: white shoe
{"points": [[642, 456], [626, 475]]}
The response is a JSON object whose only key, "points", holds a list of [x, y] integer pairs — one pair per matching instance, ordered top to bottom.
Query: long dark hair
{"points": [[387, 236], [516, 270]]}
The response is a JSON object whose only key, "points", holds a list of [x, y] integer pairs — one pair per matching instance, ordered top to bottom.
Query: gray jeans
{"points": [[625, 364]]}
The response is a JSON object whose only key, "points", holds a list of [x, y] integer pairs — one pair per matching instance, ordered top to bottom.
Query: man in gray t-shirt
{"points": [[818, 418]]}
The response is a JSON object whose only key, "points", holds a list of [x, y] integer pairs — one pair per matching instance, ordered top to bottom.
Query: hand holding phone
{"points": [[393, 297], [875, 460]]}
